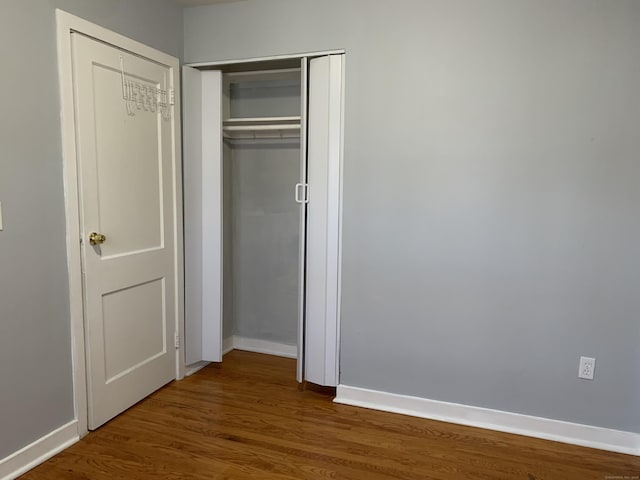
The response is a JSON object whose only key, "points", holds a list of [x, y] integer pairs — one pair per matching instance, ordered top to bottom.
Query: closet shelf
{"points": [[261, 127]]}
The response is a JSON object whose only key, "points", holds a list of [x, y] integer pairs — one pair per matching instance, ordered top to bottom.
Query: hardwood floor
{"points": [[247, 419]]}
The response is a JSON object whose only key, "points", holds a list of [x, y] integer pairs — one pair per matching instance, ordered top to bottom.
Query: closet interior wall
{"points": [[261, 220]]}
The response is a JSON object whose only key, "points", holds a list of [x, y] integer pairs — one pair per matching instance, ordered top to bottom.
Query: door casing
{"points": [[66, 24], [338, 214]]}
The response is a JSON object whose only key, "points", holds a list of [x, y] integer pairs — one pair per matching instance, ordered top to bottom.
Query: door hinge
{"points": [[172, 96], [177, 340]]}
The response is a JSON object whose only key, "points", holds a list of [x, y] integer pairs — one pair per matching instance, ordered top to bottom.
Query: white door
{"points": [[202, 105], [127, 169], [302, 197], [323, 223]]}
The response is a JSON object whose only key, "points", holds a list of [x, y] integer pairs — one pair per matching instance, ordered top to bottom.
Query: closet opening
{"points": [[262, 206], [262, 222]]}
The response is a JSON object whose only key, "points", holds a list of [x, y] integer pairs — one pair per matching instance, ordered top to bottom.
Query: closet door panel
{"points": [[202, 104], [192, 178], [301, 191], [323, 233], [212, 253]]}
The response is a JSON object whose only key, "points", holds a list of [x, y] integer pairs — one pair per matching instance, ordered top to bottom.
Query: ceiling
{"points": [[191, 3]]}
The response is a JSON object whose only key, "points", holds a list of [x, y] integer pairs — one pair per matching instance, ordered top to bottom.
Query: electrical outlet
{"points": [[587, 367]]}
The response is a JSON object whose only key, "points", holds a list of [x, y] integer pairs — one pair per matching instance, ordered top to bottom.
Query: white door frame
{"points": [[67, 24], [288, 56], [338, 215]]}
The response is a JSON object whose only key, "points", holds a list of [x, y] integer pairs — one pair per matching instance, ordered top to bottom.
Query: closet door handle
{"points": [[298, 185], [302, 193]]}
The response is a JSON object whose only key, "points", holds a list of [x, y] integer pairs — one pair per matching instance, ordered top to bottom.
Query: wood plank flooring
{"points": [[247, 419]]}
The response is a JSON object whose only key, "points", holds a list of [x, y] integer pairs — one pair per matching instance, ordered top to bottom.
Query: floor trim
{"points": [[227, 345], [259, 346], [548, 429], [39, 451]]}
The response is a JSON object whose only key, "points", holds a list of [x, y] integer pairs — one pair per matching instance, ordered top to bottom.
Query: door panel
{"points": [[304, 78], [125, 161], [192, 164], [129, 194], [203, 214], [212, 216], [323, 234], [130, 315]]}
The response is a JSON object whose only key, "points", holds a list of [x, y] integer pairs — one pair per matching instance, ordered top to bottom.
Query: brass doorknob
{"points": [[96, 238]]}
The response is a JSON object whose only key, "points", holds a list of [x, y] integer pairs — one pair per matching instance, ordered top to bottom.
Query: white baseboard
{"points": [[227, 345], [259, 346], [194, 367], [548, 429], [39, 451]]}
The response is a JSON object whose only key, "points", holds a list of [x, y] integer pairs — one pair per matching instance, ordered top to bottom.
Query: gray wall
{"points": [[280, 98], [262, 220], [265, 222], [491, 232], [228, 323], [35, 352]]}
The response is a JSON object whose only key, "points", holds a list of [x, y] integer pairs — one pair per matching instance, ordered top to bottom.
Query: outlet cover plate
{"points": [[587, 368]]}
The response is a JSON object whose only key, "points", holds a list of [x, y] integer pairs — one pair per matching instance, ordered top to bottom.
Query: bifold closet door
{"points": [[202, 173], [301, 194], [323, 222]]}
